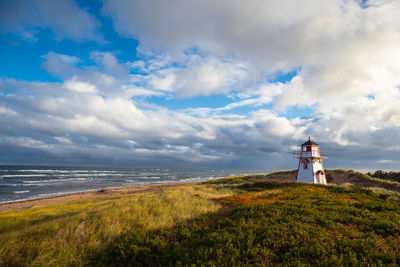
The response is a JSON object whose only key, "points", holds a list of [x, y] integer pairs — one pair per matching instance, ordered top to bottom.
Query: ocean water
{"points": [[28, 182]]}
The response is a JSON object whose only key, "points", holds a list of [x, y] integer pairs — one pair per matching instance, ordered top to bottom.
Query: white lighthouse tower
{"points": [[310, 168]]}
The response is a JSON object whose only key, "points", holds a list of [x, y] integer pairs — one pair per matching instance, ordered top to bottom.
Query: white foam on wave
{"points": [[64, 171], [89, 174], [22, 175], [56, 181], [10, 184], [21, 192]]}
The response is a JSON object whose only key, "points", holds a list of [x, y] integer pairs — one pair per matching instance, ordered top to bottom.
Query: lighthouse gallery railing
{"points": [[319, 154]]}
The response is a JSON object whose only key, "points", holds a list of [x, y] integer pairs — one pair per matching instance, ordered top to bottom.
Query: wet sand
{"points": [[89, 195]]}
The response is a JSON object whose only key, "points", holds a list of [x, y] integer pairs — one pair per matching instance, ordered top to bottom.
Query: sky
{"points": [[199, 84]]}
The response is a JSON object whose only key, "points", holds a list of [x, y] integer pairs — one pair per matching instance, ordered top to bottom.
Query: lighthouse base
{"points": [[311, 173], [312, 179]]}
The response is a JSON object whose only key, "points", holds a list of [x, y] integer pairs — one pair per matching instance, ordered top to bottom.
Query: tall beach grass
{"points": [[69, 234]]}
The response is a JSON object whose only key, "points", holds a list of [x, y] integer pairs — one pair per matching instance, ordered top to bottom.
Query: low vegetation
{"points": [[386, 175], [243, 220], [71, 234]]}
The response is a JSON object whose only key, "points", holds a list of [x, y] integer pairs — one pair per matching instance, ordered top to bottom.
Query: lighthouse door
{"points": [[320, 177]]}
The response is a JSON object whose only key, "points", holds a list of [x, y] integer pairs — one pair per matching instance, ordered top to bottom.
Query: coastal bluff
{"points": [[334, 177], [339, 177], [265, 220]]}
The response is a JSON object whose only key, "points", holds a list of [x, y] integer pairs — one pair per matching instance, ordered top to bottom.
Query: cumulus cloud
{"points": [[64, 17], [266, 30], [343, 47], [344, 56], [109, 63], [60, 65], [200, 76], [78, 86], [97, 114], [80, 120]]}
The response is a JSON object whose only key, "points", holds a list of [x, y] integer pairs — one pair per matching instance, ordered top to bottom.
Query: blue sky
{"points": [[177, 84]]}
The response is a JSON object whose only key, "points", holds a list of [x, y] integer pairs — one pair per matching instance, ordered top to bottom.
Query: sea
{"points": [[32, 182]]}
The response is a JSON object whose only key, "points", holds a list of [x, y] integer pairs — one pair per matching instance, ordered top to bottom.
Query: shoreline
{"points": [[88, 195]]}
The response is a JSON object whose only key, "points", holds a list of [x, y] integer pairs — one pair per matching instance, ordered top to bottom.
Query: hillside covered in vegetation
{"points": [[386, 175], [264, 220]]}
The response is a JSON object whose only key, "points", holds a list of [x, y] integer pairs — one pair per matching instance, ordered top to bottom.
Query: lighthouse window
{"points": [[305, 165]]}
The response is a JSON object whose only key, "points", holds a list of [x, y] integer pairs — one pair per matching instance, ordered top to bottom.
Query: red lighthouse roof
{"points": [[309, 143]]}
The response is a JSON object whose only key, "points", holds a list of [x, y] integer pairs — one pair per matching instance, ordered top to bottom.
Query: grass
{"points": [[390, 175], [242, 220], [70, 234]]}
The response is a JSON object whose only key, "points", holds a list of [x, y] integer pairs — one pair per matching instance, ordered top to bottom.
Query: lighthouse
{"points": [[310, 168]]}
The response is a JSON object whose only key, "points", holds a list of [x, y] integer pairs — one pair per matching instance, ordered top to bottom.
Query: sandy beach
{"points": [[88, 195]]}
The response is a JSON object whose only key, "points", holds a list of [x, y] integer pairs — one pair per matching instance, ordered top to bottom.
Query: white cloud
{"points": [[64, 17], [267, 30], [341, 47], [349, 57], [346, 58], [110, 63], [60, 65], [200, 76], [163, 80], [75, 85], [133, 91], [295, 93], [7, 112], [78, 121], [116, 127], [63, 140], [385, 161]]}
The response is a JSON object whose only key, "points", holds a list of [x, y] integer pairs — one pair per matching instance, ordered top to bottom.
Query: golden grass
{"points": [[73, 233], [66, 234]]}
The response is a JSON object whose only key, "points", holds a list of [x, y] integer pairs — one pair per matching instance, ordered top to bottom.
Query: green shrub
{"points": [[391, 175], [258, 223], [314, 225]]}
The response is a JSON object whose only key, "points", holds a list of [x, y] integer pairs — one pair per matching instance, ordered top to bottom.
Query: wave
{"points": [[59, 171], [90, 174], [22, 175], [62, 175], [55, 181], [61, 181], [10, 184]]}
